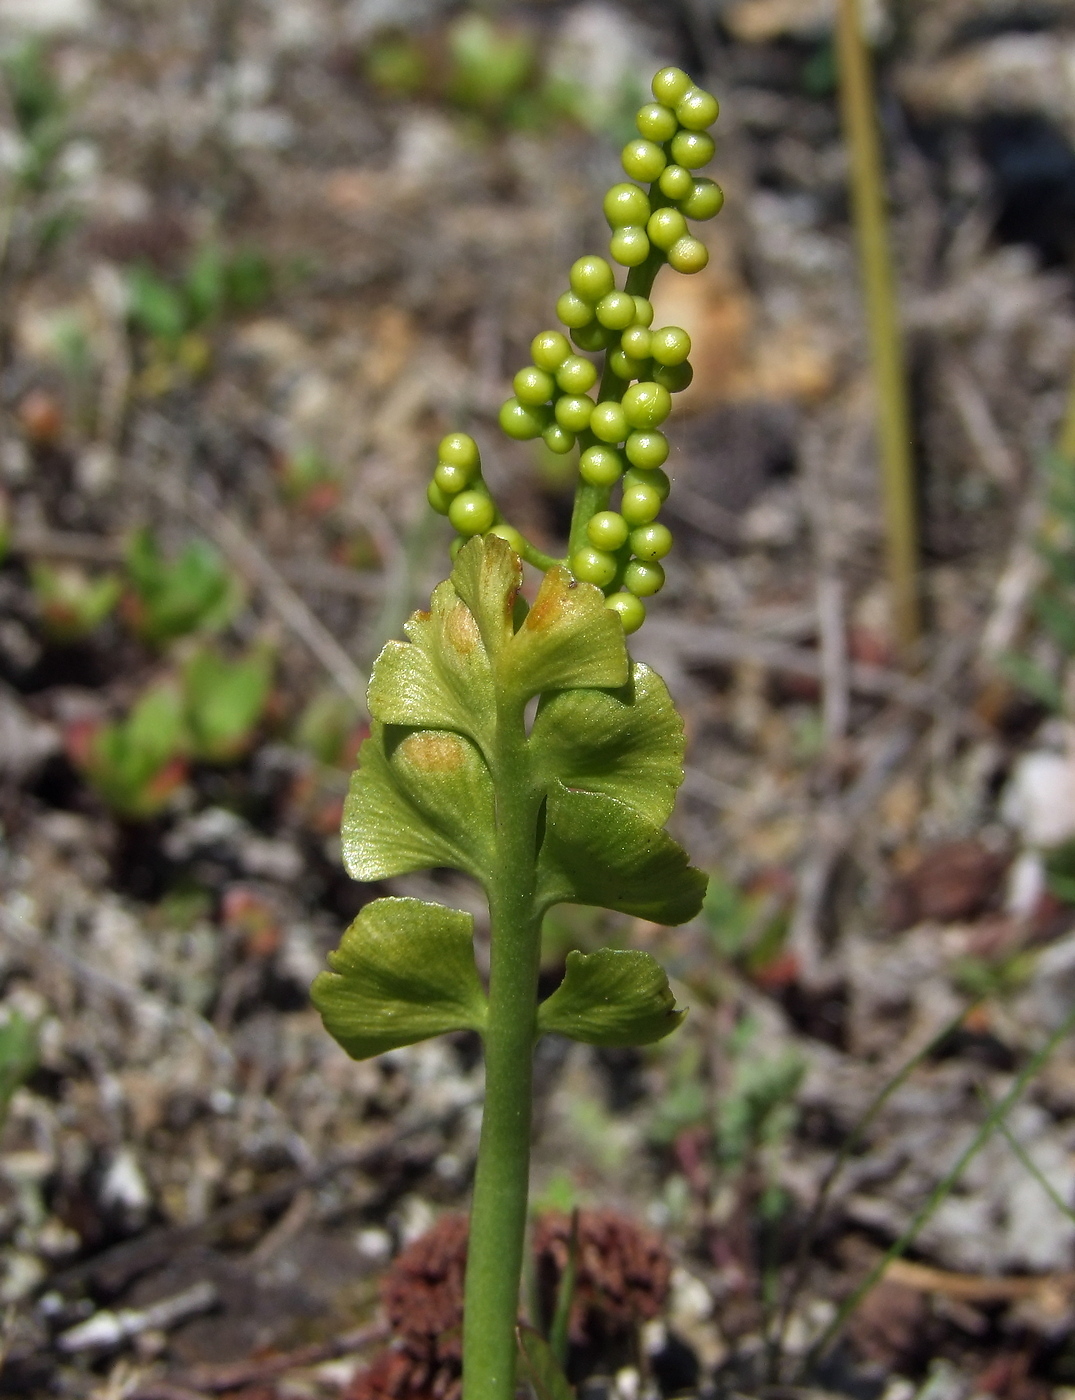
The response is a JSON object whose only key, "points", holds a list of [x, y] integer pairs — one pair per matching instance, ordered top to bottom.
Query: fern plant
{"points": [[568, 808]]}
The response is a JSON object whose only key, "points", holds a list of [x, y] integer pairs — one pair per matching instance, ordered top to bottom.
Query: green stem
{"points": [[886, 349], [537, 557], [1028, 1162], [498, 1213]]}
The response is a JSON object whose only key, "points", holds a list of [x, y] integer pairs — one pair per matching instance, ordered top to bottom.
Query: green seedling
{"points": [[490, 64], [485, 68], [494, 72], [39, 110], [214, 285], [175, 314], [308, 480], [172, 598], [1054, 601], [70, 603], [224, 702], [328, 729], [521, 745], [135, 764], [1060, 872], [749, 929], [18, 1056], [757, 1111]]}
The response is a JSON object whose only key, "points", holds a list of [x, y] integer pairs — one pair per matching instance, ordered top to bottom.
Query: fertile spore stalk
{"points": [[618, 434], [573, 810]]}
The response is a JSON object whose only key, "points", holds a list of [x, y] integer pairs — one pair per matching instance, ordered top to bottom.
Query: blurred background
{"points": [[256, 257]]}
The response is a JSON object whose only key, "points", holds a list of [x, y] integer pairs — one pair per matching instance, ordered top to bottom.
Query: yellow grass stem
{"points": [[886, 348], [1065, 443]]}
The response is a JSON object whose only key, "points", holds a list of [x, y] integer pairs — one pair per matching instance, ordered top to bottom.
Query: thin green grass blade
{"points": [[939, 1194], [541, 1366]]}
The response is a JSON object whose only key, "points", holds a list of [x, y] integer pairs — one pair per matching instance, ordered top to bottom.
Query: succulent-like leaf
{"points": [[568, 639], [441, 678], [627, 743], [419, 798], [600, 851], [404, 971], [615, 996]]}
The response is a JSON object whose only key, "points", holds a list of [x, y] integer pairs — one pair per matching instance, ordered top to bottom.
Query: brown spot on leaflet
{"points": [[434, 752]]}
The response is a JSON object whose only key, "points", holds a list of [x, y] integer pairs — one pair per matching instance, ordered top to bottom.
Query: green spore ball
{"points": [[670, 85], [697, 109], [656, 122], [692, 149], [643, 160], [675, 182], [705, 200], [626, 204], [666, 227], [629, 246], [688, 255], [591, 278], [616, 310], [573, 311], [643, 312], [593, 337], [636, 342], [670, 345], [549, 349], [626, 368], [576, 375], [674, 378], [533, 385], [647, 405], [574, 412], [522, 420], [609, 422], [558, 439], [461, 450], [647, 451], [600, 466], [653, 478], [452, 479], [437, 499], [639, 505], [472, 513], [607, 530], [510, 534], [651, 542], [456, 545], [593, 566], [643, 579], [630, 610]]}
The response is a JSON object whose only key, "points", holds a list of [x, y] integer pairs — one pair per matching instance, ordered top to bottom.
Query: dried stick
{"points": [[975, 415], [236, 1374]]}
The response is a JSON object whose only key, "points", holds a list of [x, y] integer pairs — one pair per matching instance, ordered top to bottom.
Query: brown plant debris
{"points": [[623, 1271], [422, 1298]]}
